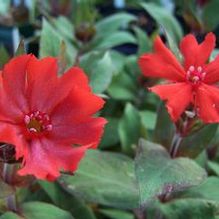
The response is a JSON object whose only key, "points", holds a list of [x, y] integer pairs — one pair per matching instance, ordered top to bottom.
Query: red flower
{"points": [[192, 83], [49, 119]]}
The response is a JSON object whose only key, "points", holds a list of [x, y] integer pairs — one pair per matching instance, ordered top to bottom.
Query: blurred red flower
{"points": [[202, 2], [192, 83], [49, 119]]}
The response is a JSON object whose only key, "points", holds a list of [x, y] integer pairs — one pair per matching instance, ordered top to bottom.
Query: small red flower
{"points": [[192, 83], [49, 119]]}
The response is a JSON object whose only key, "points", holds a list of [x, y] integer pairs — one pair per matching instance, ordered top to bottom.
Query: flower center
{"points": [[195, 75], [37, 122]]}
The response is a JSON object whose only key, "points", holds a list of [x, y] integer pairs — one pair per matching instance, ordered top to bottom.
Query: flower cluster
{"points": [[191, 84], [49, 119]]}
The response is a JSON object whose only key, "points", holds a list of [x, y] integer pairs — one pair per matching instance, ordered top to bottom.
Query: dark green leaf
{"points": [[210, 15], [4, 58], [130, 128], [162, 134], [110, 136], [192, 145], [160, 175], [105, 178], [67, 201], [189, 208], [38, 210], [116, 214]]}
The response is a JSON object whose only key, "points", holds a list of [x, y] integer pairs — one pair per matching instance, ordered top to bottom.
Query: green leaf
{"points": [[210, 15], [165, 19], [112, 23], [65, 27], [116, 39], [50, 40], [144, 42], [51, 43], [173, 45], [21, 49], [4, 58], [118, 61], [98, 67], [132, 67], [122, 87], [148, 119], [129, 128], [162, 134], [111, 136], [193, 144], [213, 166], [159, 175], [104, 178], [208, 190], [27, 195], [67, 201], [189, 208], [38, 210], [116, 214], [11, 215]]}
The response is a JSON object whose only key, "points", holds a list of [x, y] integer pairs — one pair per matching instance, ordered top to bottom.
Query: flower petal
{"points": [[196, 54], [162, 63], [212, 71], [42, 79], [74, 79], [14, 80], [178, 97], [207, 103], [78, 106], [8, 112], [85, 133], [10, 134], [46, 158], [38, 161]]}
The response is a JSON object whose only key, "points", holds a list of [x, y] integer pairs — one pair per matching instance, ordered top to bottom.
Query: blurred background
{"points": [[23, 19]]}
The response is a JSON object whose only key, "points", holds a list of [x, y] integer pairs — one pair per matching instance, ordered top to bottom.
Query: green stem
{"points": [[175, 145]]}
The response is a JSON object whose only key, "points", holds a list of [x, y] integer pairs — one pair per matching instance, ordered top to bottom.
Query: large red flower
{"points": [[192, 83], [49, 119]]}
